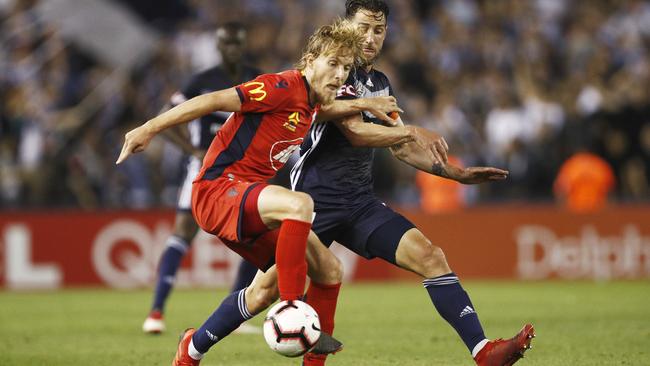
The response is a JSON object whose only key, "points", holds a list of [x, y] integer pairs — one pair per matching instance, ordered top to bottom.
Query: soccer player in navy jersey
{"points": [[195, 141], [335, 170], [231, 198]]}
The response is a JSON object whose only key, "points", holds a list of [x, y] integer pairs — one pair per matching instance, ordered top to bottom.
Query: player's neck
{"points": [[367, 68], [311, 94]]}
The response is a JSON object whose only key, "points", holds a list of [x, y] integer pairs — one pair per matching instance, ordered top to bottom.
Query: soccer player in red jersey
{"points": [[194, 140], [231, 200]]}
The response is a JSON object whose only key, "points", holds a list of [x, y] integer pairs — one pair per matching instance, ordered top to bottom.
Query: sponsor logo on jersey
{"points": [[346, 90], [257, 94], [292, 122], [281, 151]]}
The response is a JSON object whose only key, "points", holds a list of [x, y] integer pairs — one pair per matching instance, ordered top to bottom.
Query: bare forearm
{"points": [[223, 100], [339, 109], [182, 113], [372, 135], [413, 155]]}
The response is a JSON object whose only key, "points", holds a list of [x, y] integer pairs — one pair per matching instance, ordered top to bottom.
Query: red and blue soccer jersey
{"points": [[256, 142], [248, 150]]}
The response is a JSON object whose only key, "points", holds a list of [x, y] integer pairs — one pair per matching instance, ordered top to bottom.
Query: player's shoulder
{"points": [[380, 75], [293, 77], [284, 81]]}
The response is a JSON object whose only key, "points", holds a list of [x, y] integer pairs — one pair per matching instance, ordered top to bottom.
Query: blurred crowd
{"points": [[518, 84]]}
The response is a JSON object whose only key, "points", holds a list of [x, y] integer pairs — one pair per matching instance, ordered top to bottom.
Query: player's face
{"points": [[373, 27], [231, 45], [326, 74]]}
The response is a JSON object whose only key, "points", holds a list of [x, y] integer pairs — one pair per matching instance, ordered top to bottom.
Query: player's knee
{"points": [[299, 206], [185, 226], [432, 261]]}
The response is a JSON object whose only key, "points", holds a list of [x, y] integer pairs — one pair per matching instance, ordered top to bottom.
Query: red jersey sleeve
{"points": [[266, 93]]}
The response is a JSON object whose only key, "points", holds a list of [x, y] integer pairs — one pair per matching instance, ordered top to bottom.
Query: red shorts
{"points": [[228, 209]]}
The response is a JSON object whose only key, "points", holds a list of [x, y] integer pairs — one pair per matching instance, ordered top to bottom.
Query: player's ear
{"points": [[310, 59]]}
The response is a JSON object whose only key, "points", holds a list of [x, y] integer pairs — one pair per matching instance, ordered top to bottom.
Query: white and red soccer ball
{"points": [[291, 328]]}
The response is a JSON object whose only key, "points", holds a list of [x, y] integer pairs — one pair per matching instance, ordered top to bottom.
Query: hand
{"points": [[381, 107], [135, 141], [432, 143], [476, 175]]}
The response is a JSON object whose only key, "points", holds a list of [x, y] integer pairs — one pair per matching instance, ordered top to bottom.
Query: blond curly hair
{"points": [[338, 38]]}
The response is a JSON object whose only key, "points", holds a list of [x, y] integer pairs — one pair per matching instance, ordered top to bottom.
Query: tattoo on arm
{"points": [[437, 169]]}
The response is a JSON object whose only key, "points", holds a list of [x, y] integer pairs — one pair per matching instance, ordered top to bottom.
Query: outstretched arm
{"points": [[378, 106], [363, 134], [137, 139], [412, 154]]}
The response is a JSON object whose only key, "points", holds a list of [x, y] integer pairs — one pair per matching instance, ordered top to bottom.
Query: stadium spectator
{"points": [[583, 61], [584, 182]]}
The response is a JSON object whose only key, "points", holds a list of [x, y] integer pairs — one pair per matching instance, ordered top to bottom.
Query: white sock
{"points": [[479, 346], [191, 350]]}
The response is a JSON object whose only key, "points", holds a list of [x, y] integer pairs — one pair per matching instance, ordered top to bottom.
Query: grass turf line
{"points": [[578, 323]]}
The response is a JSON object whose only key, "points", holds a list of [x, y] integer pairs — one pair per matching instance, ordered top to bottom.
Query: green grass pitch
{"points": [[578, 323]]}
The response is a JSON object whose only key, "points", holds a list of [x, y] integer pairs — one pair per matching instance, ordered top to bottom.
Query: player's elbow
{"points": [[355, 134]]}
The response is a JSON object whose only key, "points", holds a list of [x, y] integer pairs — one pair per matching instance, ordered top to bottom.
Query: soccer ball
{"points": [[291, 328]]}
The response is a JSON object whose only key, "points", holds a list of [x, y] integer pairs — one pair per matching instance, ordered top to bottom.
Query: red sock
{"points": [[290, 259], [323, 299]]}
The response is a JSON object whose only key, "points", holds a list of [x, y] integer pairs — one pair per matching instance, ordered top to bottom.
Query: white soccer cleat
{"points": [[154, 324]]}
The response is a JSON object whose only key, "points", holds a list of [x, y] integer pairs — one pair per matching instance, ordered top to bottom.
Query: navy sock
{"points": [[167, 268], [245, 275], [454, 305], [228, 316]]}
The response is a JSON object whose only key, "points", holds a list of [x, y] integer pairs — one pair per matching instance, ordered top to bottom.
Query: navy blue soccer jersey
{"points": [[203, 130], [330, 169]]}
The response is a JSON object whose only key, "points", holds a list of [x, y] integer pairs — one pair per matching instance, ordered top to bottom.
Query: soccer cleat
{"points": [[154, 324], [326, 344], [506, 352], [182, 357]]}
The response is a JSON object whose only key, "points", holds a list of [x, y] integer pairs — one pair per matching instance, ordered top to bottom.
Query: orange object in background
{"points": [[584, 182], [440, 194]]}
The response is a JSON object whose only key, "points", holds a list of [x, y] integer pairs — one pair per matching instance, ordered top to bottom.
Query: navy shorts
{"points": [[370, 229]]}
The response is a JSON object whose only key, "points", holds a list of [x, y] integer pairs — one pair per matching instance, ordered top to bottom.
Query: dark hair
{"points": [[375, 6]]}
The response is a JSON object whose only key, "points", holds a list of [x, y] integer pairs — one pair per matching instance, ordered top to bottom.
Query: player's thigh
{"points": [[276, 203], [185, 226], [376, 232], [416, 253], [322, 265], [263, 291]]}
